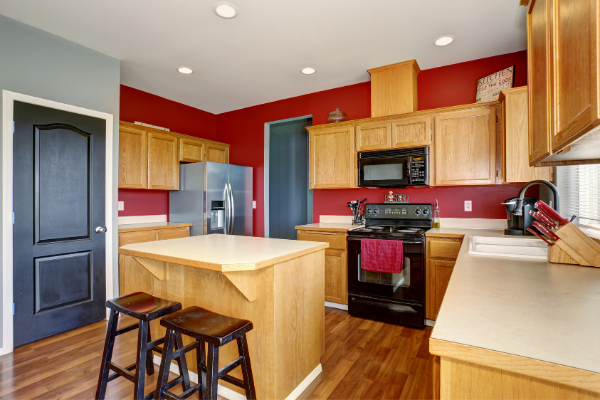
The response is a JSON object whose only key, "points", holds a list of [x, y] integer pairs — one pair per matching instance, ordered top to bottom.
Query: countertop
{"points": [[150, 226], [327, 227], [223, 252], [524, 307]]}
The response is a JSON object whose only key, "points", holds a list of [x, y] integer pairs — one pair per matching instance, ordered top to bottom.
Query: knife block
{"points": [[574, 247], [559, 256]]}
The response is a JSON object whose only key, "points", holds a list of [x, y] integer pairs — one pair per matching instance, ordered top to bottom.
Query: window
{"points": [[579, 187]]}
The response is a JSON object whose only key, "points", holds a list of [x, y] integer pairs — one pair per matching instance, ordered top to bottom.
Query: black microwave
{"points": [[394, 168]]}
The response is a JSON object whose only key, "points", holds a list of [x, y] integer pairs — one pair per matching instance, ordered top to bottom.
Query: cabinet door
{"points": [[575, 33], [539, 43], [411, 132], [375, 136], [465, 147], [191, 150], [516, 150], [216, 153], [133, 158], [332, 158], [163, 163], [173, 233], [137, 237], [443, 272], [336, 280]]}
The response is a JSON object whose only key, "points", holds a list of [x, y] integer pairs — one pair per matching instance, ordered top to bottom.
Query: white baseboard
{"points": [[142, 219], [336, 305], [429, 322], [233, 395]]}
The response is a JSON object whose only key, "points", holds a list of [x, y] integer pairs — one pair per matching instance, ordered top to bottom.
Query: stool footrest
{"points": [[127, 329], [154, 345], [181, 352], [230, 367], [119, 371], [234, 381], [185, 394]]}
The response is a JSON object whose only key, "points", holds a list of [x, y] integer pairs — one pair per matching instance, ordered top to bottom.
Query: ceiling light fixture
{"points": [[226, 10], [444, 40], [185, 70], [308, 71]]}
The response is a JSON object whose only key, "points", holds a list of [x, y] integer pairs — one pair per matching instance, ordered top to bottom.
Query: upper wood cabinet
{"points": [[563, 73], [394, 89], [515, 127], [412, 132], [376, 136], [465, 147], [191, 150], [217, 152], [133, 158], [332, 158], [163, 162]]}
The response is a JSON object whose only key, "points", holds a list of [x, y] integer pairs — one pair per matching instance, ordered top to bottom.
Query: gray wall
{"points": [[39, 64]]}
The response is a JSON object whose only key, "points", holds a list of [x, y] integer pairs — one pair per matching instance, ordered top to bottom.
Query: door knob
{"points": [[100, 229]]}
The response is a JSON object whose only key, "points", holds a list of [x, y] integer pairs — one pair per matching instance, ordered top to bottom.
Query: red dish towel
{"points": [[378, 255]]}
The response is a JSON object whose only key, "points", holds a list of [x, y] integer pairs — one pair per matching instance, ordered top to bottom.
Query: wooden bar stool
{"points": [[145, 308], [217, 330]]}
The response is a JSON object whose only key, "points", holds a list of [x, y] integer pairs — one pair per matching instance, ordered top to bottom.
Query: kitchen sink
{"points": [[508, 247]]}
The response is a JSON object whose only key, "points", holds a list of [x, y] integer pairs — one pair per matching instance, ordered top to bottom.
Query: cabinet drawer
{"points": [[174, 233], [137, 237], [335, 240], [444, 248]]}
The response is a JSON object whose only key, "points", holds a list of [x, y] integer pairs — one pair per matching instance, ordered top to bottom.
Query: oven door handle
{"points": [[405, 241]]}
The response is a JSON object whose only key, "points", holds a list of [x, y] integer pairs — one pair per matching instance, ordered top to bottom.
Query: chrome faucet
{"points": [[518, 210]]}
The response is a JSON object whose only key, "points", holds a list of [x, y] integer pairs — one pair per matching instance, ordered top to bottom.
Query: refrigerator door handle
{"points": [[226, 204], [232, 209]]}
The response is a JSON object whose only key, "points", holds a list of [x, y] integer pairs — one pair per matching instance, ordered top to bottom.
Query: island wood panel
{"points": [[539, 62], [575, 69], [412, 132], [375, 136], [466, 148], [191, 150], [133, 158], [332, 158], [163, 162], [286, 308], [464, 380]]}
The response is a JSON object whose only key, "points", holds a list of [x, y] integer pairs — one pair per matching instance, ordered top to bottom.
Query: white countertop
{"points": [[223, 252], [528, 308]]}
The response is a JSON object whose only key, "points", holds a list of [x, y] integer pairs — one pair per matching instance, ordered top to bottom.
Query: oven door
{"points": [[393, 172], [409, 285]]}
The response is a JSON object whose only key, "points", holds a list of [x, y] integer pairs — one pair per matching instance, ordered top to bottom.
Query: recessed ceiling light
{"points": [[226, 10], [443, 41], [185, 70], [308, 71]]}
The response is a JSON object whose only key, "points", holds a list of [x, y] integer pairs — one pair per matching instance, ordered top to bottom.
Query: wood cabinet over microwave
{"points": [[563, 69], [394, 89], [149, 158]]}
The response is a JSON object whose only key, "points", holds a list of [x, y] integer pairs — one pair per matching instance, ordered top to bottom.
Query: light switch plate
{"points": [[254, 204], [468, 205], [121, 206]]}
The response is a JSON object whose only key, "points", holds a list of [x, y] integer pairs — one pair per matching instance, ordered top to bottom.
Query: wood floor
{"points": [[363, 360]]}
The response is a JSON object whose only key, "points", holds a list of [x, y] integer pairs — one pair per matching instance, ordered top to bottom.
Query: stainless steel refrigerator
{"points": [[214, 197]]}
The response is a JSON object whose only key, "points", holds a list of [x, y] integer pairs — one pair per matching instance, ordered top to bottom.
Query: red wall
{"points": [[438, 87], [148, 108]]}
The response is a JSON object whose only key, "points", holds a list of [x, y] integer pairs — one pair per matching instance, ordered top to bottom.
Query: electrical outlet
{"points": [[254, 204], [468, 205], [121, 206]]}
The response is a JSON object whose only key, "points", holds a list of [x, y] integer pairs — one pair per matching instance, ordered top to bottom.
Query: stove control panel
{"points": [[398, 211]]}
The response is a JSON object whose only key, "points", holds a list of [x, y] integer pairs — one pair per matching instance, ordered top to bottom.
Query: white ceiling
{"points": [[256, 58]]}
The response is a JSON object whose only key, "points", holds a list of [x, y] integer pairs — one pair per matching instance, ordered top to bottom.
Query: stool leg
{"points": [[109, 343], [142, 353], [149, 356], [200, 360], [165, 362], [182, 363], [246, 368], [212, 373]]}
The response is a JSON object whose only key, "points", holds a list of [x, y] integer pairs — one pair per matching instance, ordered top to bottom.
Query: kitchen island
{"points": [[277, 284], [516, 328]]}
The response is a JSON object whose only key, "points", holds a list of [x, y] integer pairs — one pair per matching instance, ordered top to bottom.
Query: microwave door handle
{"points": [[409, 169]]}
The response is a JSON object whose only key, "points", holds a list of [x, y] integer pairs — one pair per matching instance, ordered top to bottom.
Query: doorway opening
{"points": [[288, 199]]}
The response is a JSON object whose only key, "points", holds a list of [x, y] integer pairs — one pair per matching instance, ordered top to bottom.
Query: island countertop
{"points": [[223, 252], [522, 307]]}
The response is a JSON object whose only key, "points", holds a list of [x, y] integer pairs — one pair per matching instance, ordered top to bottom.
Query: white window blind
{"points": [[579, 187]]}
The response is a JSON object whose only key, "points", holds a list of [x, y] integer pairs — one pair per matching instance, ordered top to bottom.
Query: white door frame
{"points": [[8, 99], [266, 166]]}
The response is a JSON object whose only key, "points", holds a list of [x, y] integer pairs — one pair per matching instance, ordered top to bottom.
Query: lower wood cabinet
{"points": [[141, 233], [441, 257], [336, 262]]}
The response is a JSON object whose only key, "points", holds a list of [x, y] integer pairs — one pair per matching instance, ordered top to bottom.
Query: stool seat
{"points": [[143, 306], [206, 326]]}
